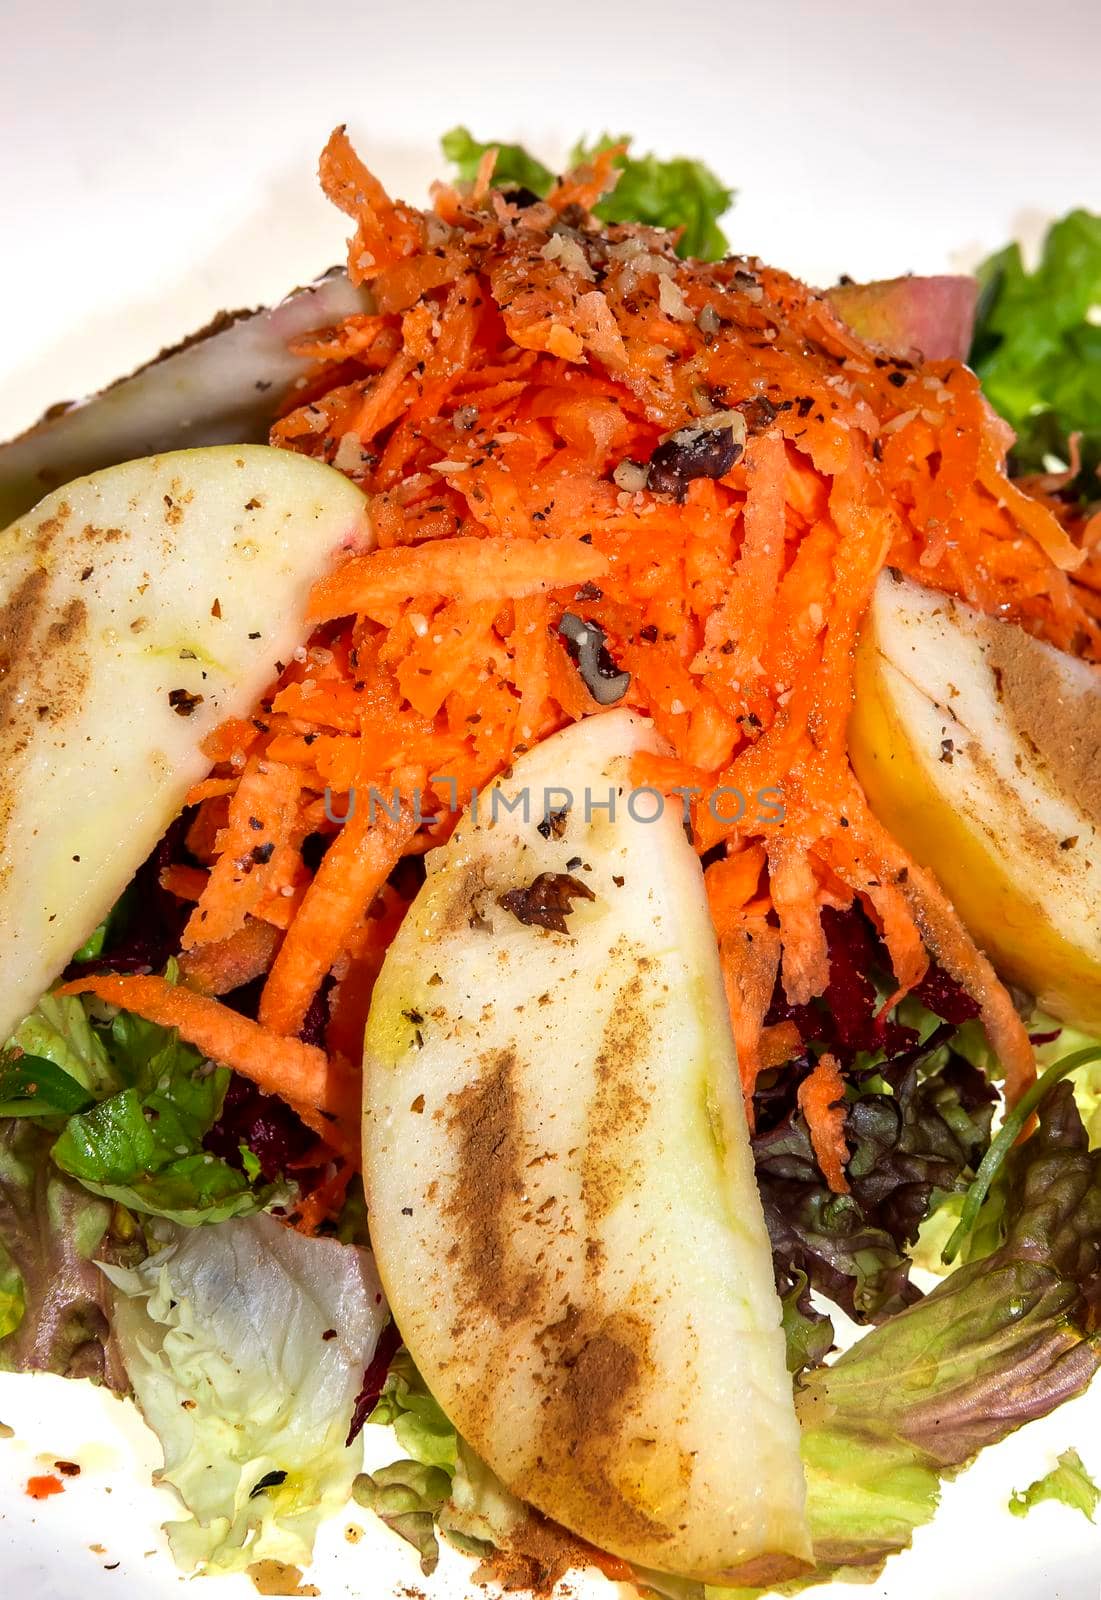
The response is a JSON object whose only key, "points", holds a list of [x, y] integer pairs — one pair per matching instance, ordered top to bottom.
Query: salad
{"points": [[550, 855]]}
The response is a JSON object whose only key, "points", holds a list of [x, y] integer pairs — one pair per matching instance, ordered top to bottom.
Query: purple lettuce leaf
{"points": [[52, 1230]]}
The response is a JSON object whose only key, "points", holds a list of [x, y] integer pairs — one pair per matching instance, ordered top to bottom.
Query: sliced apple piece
{"points": [[933, 318], [223, 385], [138, 608], [980, 748], [561, 1189]]}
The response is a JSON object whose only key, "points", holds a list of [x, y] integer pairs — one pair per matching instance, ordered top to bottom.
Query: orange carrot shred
{"points": [[465, 568], [260, 821], [357, 864], [186, 883], [750, 956], [217, 968], [821, 1099]]}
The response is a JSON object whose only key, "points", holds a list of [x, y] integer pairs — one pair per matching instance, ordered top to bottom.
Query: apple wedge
{"points": [[930, 318], [223, 385], [138, 608], [980, 748], [561, 1190]]}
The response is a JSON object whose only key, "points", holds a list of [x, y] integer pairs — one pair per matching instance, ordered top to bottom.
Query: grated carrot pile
{"points": [[519, 363]]}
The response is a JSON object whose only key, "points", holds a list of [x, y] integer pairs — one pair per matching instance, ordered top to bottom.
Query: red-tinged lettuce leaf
{"points": [[916, 1125], [51, 1232], [1000, 1342]]}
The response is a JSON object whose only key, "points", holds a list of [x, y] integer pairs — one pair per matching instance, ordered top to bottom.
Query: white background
{"points": [[157, 165]]}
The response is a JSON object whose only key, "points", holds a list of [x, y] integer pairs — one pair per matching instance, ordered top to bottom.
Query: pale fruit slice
{"points": [[931, 318], [224, 385], [138, 608], [980, 749], [561, 1190]]}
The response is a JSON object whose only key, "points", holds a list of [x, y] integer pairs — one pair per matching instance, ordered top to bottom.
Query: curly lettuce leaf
{"points": [[679, 193], [1036, 349], [1063, 1040], [916, 1127], [53, 1300], [808, 1335], [245, 1345], [417, 1419], [1068, 1482], [444, 1486]]}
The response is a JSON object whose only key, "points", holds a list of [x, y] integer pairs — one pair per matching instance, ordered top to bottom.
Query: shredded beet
{"points": [[146, 930], [943, 995], [847, 1018], [316, 1020], [262, 1122], [389, 1343]]}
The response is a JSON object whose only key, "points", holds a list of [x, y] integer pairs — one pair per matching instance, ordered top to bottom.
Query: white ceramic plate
{"points": [[158, 166]]}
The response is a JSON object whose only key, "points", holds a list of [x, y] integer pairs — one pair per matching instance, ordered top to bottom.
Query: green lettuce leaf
{"points": [[514, 164], [680, 193], [665, 194], [1036, 349], [60, 1030], [1087, 1081], [31, 1086], [142, 1145], [53, 1300], [808, 1335], [245, 1345], [422, 1429], [1067, 1482], [444, 1486], [480, 1515]]}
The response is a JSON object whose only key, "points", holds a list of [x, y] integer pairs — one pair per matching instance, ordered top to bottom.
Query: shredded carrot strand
{"points": [[465, 569], [261, 819], [360, 859], [186, 883], [750, 956], [218, 968], [821, 1099]]}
